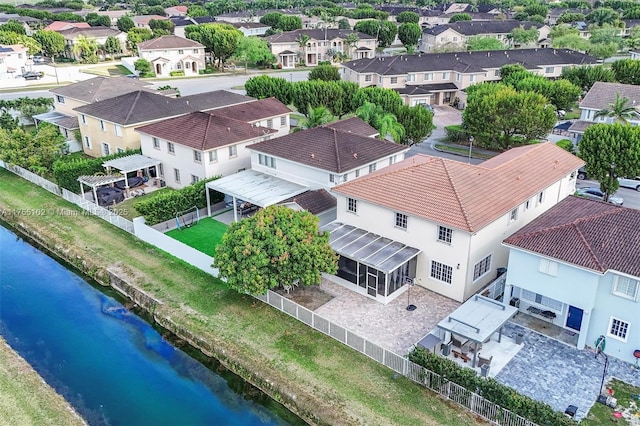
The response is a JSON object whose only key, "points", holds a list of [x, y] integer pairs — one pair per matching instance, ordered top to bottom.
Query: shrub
{"points": [[177, 73], [456, 133], [566, 144], [67, 170], [164, 207]]}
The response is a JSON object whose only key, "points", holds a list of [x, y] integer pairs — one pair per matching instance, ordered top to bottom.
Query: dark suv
{"points": [[33, 75], [582, 173]]}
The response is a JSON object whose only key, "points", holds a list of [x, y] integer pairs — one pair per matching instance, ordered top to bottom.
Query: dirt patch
{"points": [[311, 297]]}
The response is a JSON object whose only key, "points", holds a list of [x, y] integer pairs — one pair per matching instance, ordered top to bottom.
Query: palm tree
{"points": [[302, 41], [351, 42], [85, 49], [619, 111], [316, 117], [385, 123]]}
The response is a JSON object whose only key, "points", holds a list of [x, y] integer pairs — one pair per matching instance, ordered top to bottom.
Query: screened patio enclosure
{"points": [[375, 266]]}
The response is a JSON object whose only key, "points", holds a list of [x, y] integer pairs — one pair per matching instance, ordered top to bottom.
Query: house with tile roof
{"points": [[142, 21], [61, 25], [98, 34], [456, 35], [286, 46], [172, 53], [14, 60], [438, 78], [601, 96], [108, 126], [202, 145], [441, 222], [579, 263]]}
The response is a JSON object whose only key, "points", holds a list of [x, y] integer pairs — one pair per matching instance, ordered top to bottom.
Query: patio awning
{"points": [[58, 119], [131, 163], [99, 180], [257, 188], [382, 253], [478, 318]]}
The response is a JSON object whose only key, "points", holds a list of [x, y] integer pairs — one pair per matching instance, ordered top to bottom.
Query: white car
{"points": [[633, 183], [594, 193]]}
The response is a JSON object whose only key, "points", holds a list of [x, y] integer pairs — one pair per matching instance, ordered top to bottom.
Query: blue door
{"points": [[574, 319]]}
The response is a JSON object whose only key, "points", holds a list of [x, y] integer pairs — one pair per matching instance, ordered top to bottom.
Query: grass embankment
{"points": [[203, 236], [328, 382], [25, 399]]}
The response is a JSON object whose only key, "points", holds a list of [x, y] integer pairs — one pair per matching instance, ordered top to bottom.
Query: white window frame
{"points": [[549, 70], [428, 76], [445, 76], [411, 77], [368, 78], [393, 80], [60, 99], [83, 118], [283, 121], [270, 123], [102, 126], [117, 129], [87, 142], [156, 143], [106, 148], [171, 148], [233, 151], [197, 156], [213, 156], [373, 167], [161, 169], [357, 173], [176, 175], [194, 179], [541, 197], [352, 205], [513, 216], [401, 220], [445, 234], [548, 267], [482, 268], [441, 272], [626, 287], [621, 330]]}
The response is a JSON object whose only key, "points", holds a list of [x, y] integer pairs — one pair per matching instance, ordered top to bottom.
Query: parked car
{"points": [[39, 60], [33, 75], [582, 173], [633, 183], [595, 194]]}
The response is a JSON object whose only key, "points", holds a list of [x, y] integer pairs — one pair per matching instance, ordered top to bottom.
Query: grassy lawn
{"points": [[107, 70], [463, 151], [127, 208], [203, 236], [327, 380], [629, 407]]}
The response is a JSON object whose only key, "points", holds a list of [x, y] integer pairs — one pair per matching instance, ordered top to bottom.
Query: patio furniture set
{"points": [[464, 346]]}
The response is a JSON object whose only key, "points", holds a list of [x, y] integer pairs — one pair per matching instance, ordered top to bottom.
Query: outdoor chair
{"points": [[484, 361]]}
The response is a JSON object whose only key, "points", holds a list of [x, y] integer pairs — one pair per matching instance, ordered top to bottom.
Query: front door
{"points": [[372, 282], [574, 319]]}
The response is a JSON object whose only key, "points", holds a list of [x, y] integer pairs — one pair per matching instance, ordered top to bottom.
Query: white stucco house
{"points": [[172, 53], [14, 60], [440, 223], [580, 264]]}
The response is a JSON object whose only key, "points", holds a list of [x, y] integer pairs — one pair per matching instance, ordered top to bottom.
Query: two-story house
{"points": [[142, 21], [97, 34], [455, 36], [289, 51], [172, 53], [14, 60], [438, 78], [602, 96], [108, 126], [202, 145], [439, 222], [580, 264]]}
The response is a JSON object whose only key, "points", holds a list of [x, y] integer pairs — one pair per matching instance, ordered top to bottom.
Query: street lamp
{"points": [[291, 78], [470, 147]]}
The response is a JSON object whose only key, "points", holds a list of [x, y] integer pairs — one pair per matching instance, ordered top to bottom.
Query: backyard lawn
{"points": [[127, 208], [203, 236], [628, 407]]}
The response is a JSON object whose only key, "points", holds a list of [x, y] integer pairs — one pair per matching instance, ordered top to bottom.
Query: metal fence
{"points": [[88, 206], [495, 289], [470, 400]]}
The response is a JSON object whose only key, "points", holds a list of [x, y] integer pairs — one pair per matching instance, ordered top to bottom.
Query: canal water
{"points": [[113, 367]]}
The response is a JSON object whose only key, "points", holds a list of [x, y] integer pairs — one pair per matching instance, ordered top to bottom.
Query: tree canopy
{"points": [[385, 31], [409, 34], [219, 39], [53, 43], [484, 43], [255, 50], [627, 71], [325, 73], [585, 76], [619, 110], [35, 151], [275, 246]]}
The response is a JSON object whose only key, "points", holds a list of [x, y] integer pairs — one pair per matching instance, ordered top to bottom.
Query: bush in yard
{"points": [[325, 72], [176, 73], [456, 133], [566, 144], [164, 207]]}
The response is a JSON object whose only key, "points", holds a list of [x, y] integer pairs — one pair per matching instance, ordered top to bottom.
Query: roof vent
{"points": [[187, 101], [229, 129], [313, 155], [355, 155]]}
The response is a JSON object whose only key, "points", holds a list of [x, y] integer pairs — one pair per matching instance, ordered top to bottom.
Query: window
{"points": [[195, 51], [180, 52], [549, 70], [496, 73], [428, 76], [445, 76], [458, 76], [411, 77], [368, 78], [472, 78], [394, 80], [60, 99], [83, 118], [283, 121], [270, 123], [102, 127], [117, 129], [87, 142], [156, 143], [171, 148], [106, 149], [119, 150], [233, 151], [197, 156], [213, 156], [392, 159], [267, 160], [372, 167], [161, 169], [357, 173], [176, 175], [345, 177], [332, 178], [194, 179], [540, 197], [526, 204], [352, 205], [514, 214], [401, 220], [445, 234], [482, 267], [548, 267], [441, 272], [625, 287], [542, 300], [618, 329]]}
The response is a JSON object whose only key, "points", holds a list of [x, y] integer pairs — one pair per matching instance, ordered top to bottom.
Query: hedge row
{"points": [[456, 133], [67, 170], [166, 206], [489, 388]]}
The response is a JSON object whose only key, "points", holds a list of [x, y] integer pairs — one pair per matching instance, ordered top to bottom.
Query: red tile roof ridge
{"points": [[335, 145], [465, 214]]}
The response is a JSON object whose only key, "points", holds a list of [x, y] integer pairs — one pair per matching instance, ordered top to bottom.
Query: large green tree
{"points": [[603, 15], [408, 17], [456, 17], [96, 20], [125, 23], [14, 27], [385, 31], [138, 35], [409, 35], [524, 36], [221, 40], [52, 43], [484, 43], [32, 45], [112, 45], [85, 48], [254, 50], [627, 71], [325, 73], [585, 76], [264, 86], [315, 117], [384, 122], [417, 122], [35, 151], [610, 151], [276, 246]]}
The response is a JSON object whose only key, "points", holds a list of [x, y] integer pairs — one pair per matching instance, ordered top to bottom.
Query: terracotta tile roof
{"points": [[144, 19], [61, 25], [72, 33], [169, 42], [100, 88], [602, 94], [254, 111], [354, 125], [204, 131], [328, 149], [460, 195], [314, 202], [591, 234]]}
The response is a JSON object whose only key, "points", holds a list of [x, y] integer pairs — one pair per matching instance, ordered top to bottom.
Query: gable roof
{"points": [[145, 19], [61, 25], [474, 28], [72, 33], [315, 34], [168, 42], [477, 61], [100, 88], [602, 94], [142, 106], [253, 111], [354, 125], [204, 131], [328, 149], [460, 195], [315, 202], [587, 233]]}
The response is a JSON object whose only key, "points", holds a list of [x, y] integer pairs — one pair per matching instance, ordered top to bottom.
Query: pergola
{"points": [[130, 163], [97, 181], [257, 188], [478, 319]]}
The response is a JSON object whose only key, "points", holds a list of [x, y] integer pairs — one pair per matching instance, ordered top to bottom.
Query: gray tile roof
{"points": [[474, 28], [72, 33], [316, 34], [169, 42], [469, 61], [100, 88], [422, 89], [602, 94], [141, 106], [253, 111], [354, 125], [328, 149], [315, 202], [591, 234]]}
